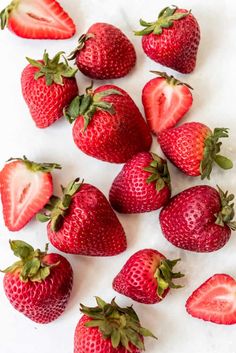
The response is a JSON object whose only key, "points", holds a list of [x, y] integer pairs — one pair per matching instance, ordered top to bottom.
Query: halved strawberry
{"points": [[41, 19], [166, 100], [25, 189], [214, 300]]}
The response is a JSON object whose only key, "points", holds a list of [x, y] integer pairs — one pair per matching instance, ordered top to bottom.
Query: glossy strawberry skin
{"points": [[46, 20], [177, 46], [108, 54], [46, 103], [165, 104], [115, 137], [184, 146], [17, 185], [130, 192], [188, 220], [90, 227], [136, 279], [214, 300], [43, 301], [90, 340]]}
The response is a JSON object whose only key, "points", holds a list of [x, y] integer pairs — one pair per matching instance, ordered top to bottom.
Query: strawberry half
{"points": [[41, 19], [166, 100], [26, 187], [214, 300]]}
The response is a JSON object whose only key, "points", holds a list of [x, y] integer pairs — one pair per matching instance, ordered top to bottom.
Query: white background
{"points": [[214, 103]]}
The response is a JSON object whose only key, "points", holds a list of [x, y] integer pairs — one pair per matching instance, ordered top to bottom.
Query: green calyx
{"points": [[5, 13], [165, 19], [81, 44], [53, 69], [171, 80], [87, 104], [211, 153], [37, 167], [159, 172], [57, 208], [226, 215], [31, 266], [164, 276], [120, 325]]}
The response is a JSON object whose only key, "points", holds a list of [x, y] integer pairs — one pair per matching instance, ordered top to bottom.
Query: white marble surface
{"points": [[214, 103]]}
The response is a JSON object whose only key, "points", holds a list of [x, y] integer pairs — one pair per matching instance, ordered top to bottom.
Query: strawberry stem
{"points": [[5, 13], [165, 19], [81, 44], [53, 69], [171, 80], [87, 104], [211, 153], [37, 167], [159, 172], [56, 209], [226, 215], [31, 265], [164, 276], [120, 325]]}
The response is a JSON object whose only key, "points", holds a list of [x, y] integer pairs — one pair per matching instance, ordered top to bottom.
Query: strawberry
{"points": [[41, 19], [172, 40], [104, 52], [48, 86], [166, 100], [108, 124], [193, 148], [143, 185], [26, 187], [199, 219], [83, 222], [146, 277], [39, 284], [214, 300], [108, 328]]}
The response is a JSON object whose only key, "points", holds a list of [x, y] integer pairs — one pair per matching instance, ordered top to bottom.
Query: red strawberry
{"points": [[41, 19], [173, 39], [104, 52], [48, 86], [166, 100], [108, 124], [193, 148], [143, 185], [26, 187], [198, 219], [83, 222], [146, 277], [38, 285], [214, 300], [108, 328]]}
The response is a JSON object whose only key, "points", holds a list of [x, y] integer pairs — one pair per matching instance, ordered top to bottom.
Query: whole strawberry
{"points": [[41, 19], [173, 39], [104, 52], [48, 86], [165, 100], [108, 124], [194, 148], [143, 185], [26, 188], [199, 219], [83, 222], [146, 277], [39, 284], [214, 300], [108, 328]]}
